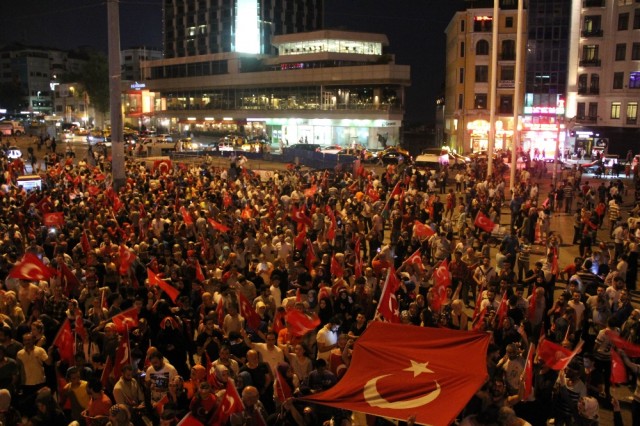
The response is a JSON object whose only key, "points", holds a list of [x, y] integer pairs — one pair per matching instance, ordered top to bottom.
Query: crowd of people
{"points": [[321, 243]]}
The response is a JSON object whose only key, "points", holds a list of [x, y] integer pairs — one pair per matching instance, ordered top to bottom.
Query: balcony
{"points": [[593, 3], [592, 33], [510, 56], [590, 63], [506, 84], [594, 90], [582, 91], [583, 119], [632, 120]]}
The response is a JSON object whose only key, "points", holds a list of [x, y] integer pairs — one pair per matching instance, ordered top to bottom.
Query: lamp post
{"points": [[492, 88]]}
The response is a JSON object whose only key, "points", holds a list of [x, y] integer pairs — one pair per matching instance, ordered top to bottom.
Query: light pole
{"points": [[492, 88], [115, 96], [517, 106]]}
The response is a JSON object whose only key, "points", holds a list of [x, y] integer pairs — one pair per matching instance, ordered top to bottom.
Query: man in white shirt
{"points": [[327, 338], [269, 352], [32, 359], [159, 374]]}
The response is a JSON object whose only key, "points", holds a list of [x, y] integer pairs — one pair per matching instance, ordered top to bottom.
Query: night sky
{"points": [[415, 29]]}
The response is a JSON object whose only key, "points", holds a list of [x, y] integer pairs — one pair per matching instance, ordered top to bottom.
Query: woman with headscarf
{"points": [[325, 310], [198, 375], [218, 377], [119, 416]]}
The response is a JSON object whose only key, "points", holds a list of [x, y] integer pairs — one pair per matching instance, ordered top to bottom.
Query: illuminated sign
{"points": [[483, 18], [247, 27], [138, 86], [478, 126], [540, 127]]}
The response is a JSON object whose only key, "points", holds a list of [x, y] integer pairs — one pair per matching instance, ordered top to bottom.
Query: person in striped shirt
{"points": [[614, 214]]}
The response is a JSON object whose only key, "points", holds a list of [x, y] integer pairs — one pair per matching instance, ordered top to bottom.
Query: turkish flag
{"points": [[163, 166], [93, 190], [397, 190], [310, 192], [373, 194], [227, 200], [44, 205], [299, 216], [186, 217], [54, 219], [483, 222], [218, 226], [421, 230], [331, 232], [298, 241], [84, 243], [310, 255], [126, 259], [415, 259], [357, 267], [30, 268], [336, 269], [199, 274], [442, 280], [71, 281], [171, 291], [388, 305], [503, 308], [248, 313], [125, 320], [299, 323], [80, 329], [64, 341], [633, 351], [123, 356], [555, 356], [398, 371], [618, 371], [528, 373], [230, 404], [189, 420]]}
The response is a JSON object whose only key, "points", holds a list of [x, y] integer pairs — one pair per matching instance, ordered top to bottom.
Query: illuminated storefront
{"points": [[542, 127], [478, 133]]}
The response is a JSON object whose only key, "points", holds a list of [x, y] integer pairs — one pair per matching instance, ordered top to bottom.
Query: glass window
{"points": [[636, 19], [623, 21], [462, 22], [508, 22], [591, 24], [482, 47], [462, 49], [508, 49], [621, 51], [589, 52], [635, 52], [482, 73], [507, 73], [461, 75], [618, 79], [634, 80], [582, 83], [595, 83], [460, 98], [480, 101], [506, 104], [580, 109], [593, 110], [615, 110], [632, 111]]}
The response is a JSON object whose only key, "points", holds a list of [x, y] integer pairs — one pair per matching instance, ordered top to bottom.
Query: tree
{"points": [[95, 79]]}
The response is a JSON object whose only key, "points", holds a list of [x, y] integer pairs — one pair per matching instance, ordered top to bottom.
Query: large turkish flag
{"points": [[401, 370]]}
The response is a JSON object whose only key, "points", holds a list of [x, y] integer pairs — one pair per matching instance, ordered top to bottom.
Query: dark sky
{"points": [[415, 29]]}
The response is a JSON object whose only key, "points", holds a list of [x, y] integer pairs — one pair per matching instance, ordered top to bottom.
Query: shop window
{"points": [[623, 21], [482, 47], [621, 51], [635, 52], [482, 73], [618, 79], [634, 80], [480, 101], [615, 110]]}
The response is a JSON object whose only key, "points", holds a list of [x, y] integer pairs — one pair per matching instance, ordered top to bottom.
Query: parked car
{"points": [[305, 146], [331, 149], [361, 153], [393, 156]]}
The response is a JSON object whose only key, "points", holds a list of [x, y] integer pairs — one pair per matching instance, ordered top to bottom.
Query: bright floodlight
{"points": [[247, 29]]}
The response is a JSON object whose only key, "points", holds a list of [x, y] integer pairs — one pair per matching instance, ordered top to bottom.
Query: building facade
{"points": [[201, 27], [130, 61], [468, 62], [604, 84], [325, 87]]}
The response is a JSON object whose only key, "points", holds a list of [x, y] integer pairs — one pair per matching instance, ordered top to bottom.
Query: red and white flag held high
{"points": [[186, 216], [299, 216], [54, 220], [483, 222], [218, 226], [421, 230], [84, 243], [127, 257], [415, 259], [31, 268], [336, 269], [199, 273], [441, 281], [171, 291], [388, 306], [503, 308], [248, 312], [127, 320], [299, 323], [64, 341], [123, 356], [555, 356], [618, 371], [429, 372], [231, 404]]}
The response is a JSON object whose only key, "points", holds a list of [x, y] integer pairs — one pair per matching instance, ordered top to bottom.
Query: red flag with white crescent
{"points": [[163, 166], [186, 216], [299, 216], [52, 220], [483, 222], [218, 226], [421, 230], [298, 241], [84, 243], [127, 257], [415, 259], [31, 268], [336, 269], [442, 280], [171, 291], [388, 306], [248, 312], [126, 320], [299, 323], [64, 341], [123, 356], [555, 356], [618, 371], [429, 373], [528, 373], [230, 404]]}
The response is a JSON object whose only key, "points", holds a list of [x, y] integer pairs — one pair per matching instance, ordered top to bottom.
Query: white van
{"points": [[11, 128], [157, 145]]}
